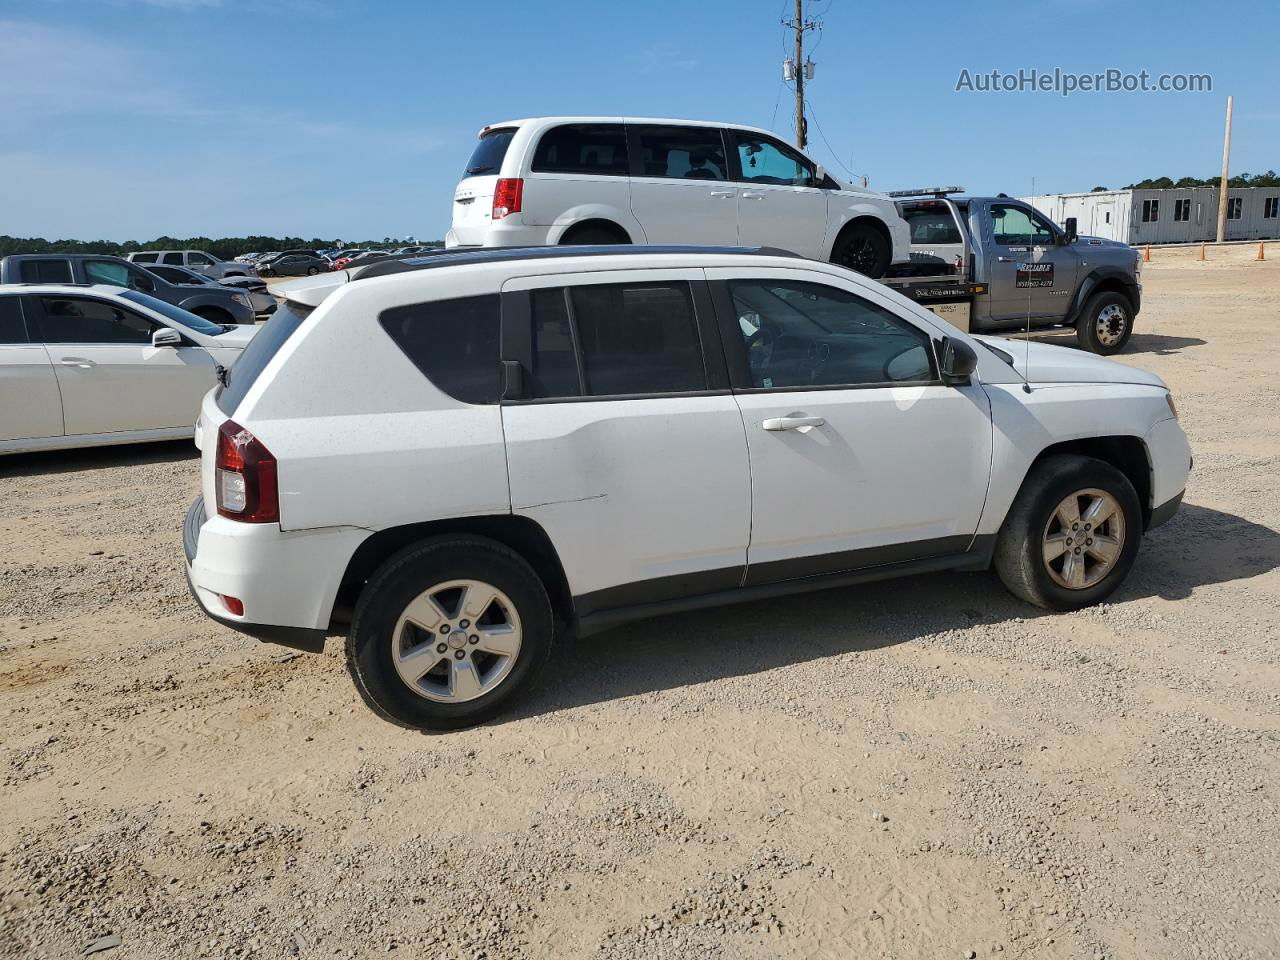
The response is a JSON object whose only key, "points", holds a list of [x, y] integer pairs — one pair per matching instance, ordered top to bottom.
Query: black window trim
{"points": [[637, 157], [27, 327], [516, 340], [735, 349]]}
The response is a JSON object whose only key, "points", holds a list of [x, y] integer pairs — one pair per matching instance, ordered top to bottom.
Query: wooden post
{"points": [[1222, 190]]}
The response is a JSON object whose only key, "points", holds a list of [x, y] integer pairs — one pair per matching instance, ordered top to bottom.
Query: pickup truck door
{"points": [[779, 204], [1030, 272], [110, 376], [29, 402], [859, 455]]}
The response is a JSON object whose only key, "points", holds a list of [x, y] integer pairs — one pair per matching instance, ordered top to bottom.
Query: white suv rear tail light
{"points": [[245, 477]]}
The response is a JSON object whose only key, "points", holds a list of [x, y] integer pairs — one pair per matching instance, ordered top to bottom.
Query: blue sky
{"points": [[135, 118]]}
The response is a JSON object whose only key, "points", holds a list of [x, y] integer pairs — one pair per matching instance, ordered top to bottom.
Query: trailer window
{"points": [[1234, 205], [1270, 208], [1181, 210], [1150, 211]]}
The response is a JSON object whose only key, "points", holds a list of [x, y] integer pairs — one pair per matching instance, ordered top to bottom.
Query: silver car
{"points": [[197, 260]]}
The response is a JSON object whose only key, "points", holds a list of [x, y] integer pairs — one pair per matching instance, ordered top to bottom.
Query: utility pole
{"points": [[801, 69], [1222, 189]]}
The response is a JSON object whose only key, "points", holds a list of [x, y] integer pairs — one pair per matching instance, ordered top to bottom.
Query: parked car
{"points": [[573, 180], [360, 256], [197, 260], [295, 265], [260, 299], [215, 303], [90, 365], [579, 419]]}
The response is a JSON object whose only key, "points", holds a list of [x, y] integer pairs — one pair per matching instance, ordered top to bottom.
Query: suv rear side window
{"points": [[598, 148], [687, 153], [486, 159], [144, 258], [46, 271], [12, 329], [625, 338], [453, 342], [264, 345]]}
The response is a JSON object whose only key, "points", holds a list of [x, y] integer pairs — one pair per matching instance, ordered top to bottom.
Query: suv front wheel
{"points": [[448, 633]]}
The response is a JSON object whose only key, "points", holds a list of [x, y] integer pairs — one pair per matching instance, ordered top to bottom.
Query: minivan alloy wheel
{"points": [[1110, 324], [1083, 538], [456, 641]]}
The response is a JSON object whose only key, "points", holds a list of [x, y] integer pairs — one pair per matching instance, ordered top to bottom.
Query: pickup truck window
{"points": [[766, 162], [932, 225], [1015, 227], [144, 258], [173, 259], [199, 260], [46, 271]]}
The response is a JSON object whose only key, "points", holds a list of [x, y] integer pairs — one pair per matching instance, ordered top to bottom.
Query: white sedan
{"points": [[93, 364]]}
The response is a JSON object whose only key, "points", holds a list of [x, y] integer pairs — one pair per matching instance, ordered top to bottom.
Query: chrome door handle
{"points": [[724, 193], [751, 196], [80, 362], [792, 423]]}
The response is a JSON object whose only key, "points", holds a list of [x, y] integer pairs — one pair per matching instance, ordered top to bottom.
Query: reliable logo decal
{"points": [[1035, 275]]}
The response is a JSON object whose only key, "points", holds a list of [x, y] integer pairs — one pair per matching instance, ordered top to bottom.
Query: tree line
{"points": [[1268, 179], [226, 248]]}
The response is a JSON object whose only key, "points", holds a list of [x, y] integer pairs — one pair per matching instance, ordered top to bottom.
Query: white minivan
{"points": [[591, 180]]}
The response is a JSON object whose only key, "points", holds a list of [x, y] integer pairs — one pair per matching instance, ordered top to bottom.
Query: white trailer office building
{"points": [[1174, 215]]}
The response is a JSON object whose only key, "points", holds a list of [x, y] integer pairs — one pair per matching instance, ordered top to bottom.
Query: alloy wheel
{"points": [[1110, 324], [1083, 539], [456, 641]]}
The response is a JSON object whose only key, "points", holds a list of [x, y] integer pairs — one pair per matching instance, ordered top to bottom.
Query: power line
{"points": [[835, 156]]}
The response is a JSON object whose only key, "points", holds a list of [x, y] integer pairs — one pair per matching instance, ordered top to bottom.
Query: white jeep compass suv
{"points": [[594, 180], [455, 458]]}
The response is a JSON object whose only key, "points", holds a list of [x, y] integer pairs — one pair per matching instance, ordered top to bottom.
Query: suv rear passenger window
{"points": [[599, 148], [687, 153], [144, 258], [173, 259], [46, 271], [12, 329], [621, 339], [453, 342]]}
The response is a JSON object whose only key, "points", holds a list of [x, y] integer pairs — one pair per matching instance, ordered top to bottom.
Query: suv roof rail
{"points": [[926, 191], [455, 257]]}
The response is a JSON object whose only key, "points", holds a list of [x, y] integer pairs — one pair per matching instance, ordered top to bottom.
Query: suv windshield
{"points": [[489, 152], [176, 314], [265, 345]]}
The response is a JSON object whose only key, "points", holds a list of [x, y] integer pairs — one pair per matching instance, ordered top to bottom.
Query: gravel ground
{"points": [[924, 768]]}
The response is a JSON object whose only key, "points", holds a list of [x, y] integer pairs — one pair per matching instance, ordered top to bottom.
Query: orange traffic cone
{"points": [[1202, 251], [1262, 251], [1146, 253]]}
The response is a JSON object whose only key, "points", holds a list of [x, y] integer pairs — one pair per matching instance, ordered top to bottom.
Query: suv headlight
{"points": [[1173, 407]]}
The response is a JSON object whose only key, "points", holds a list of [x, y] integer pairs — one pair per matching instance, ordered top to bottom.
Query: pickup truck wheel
{"points": [[864, 249], [1105, 324], [1072, 534], [448, 633]]}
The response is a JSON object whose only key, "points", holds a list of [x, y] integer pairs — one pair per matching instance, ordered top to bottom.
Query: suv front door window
{"points": [[779, 202], [621, 441], [854, 443]]}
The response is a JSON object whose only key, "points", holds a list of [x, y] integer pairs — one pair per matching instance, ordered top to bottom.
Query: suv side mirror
{"points": [[1070, 227], [166, 337], [957, 362]]}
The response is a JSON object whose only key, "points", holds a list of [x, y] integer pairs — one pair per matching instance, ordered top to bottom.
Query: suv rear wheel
{"points": [[1072, 534], [449, 633]]}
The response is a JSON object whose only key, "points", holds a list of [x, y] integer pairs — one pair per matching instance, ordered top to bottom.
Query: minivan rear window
{"points": [[599, 148], [486, 159], [265, 344]]}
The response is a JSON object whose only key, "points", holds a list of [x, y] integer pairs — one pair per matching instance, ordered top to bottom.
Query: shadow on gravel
{"points": [[1138, 343], [93, 458], [1199, 546]]}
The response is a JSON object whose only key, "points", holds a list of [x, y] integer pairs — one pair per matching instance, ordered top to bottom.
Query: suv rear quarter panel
{"points": [[362, 437]]}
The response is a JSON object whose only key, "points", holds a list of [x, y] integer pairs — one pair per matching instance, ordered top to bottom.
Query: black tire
{"points": [[591, 235], [863, 249], [312, 271], [266, 272], [214, 315], [1106, 323], [1020, 548], [402, 579]]}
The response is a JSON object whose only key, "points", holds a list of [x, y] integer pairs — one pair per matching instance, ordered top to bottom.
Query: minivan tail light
{"points": [[507, 195], [245, 477]]}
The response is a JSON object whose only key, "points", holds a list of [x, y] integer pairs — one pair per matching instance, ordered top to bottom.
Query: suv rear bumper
{"points": [[287, 581]]}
